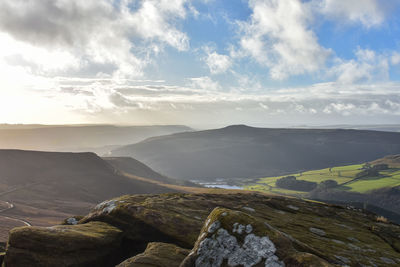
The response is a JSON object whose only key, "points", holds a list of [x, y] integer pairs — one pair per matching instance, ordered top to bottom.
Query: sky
{"points": [[200, 62]]}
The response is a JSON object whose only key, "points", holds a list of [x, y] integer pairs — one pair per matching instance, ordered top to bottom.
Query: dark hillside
{"points": [[242, 152], [135, 167], [43, 188]]}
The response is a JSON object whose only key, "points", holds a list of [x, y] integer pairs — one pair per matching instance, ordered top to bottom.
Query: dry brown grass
{"points": [[382, 219], [6, 226]]}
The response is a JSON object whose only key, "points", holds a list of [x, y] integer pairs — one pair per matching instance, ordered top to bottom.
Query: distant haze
{"points": [[95, 138], [240, 151]]}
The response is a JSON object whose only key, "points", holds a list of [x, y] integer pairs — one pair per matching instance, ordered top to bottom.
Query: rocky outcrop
{"points": [[276, 230], [233, 238], [91, 244], [157, 255]]}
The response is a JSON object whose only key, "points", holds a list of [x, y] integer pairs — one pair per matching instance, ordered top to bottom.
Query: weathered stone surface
{"points": [[178, 218], [72, 220], [389, 233], [350, 237], [233, 238], [91, 244], [157, 255]]}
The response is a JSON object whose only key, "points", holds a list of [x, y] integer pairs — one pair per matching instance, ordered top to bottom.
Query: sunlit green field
{"points": [[343, 175]]}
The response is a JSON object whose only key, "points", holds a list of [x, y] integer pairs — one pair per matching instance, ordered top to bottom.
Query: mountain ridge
{"points": [[241, 151]]}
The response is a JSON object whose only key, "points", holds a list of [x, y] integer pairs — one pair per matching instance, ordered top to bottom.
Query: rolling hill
{"points": [[79, 138], [246, 152], [393, 161], [131, 166], [345, 176], [43, 188], [372, 190]]}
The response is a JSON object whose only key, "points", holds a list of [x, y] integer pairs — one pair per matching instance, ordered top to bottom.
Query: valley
{"points": [[41, 189]]}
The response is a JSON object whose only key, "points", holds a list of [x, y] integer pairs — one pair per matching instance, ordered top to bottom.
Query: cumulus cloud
{"points": [[369, 13], [278, 35], [93, 37], [395, 59], [217, 63], [367, 66]]}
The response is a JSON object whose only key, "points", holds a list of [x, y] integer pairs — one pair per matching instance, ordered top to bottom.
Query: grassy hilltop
{"points": [[345, 176]]}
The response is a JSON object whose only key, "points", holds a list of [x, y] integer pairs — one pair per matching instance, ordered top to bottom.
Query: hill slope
{"points": [[95, 138], [241, 151], [392, 160], [134, 167], [46, 187], [373, 190]]}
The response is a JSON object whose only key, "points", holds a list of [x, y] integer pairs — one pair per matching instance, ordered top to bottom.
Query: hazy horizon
{"points": [[200, 62], [200, 126]]}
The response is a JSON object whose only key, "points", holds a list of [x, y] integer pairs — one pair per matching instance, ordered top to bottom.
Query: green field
{"points": [[345, 176]]}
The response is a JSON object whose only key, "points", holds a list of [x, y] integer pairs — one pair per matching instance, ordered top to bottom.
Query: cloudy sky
{"points": [[200, 62]]}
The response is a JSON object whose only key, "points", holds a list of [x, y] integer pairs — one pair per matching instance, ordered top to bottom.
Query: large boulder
{"points": [[118, 229], [333, 233], [233, 238], [91, 244], [157, 255]]}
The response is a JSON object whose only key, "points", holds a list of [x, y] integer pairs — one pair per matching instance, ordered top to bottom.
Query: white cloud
{"points": [[369, 13], [155, 19], [278, 35], [92, 37], [395, 59], [217, 63], [367, 66], [205, 83], [344, 109]]}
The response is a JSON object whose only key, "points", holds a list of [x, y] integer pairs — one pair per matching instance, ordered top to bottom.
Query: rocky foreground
{"points": [[209, 230]]}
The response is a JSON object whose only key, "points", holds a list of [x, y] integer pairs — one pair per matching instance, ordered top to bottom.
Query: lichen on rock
{"points": [[106, 206], [178, 218], [72, 221], [233, 238], [222, 246]]}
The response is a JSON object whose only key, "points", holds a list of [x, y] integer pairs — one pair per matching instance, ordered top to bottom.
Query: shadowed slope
{"points": [[241, 151], [131, 166], [46, 187]]}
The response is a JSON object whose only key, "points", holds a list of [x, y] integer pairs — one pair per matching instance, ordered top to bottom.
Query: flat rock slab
{"points": [[178, 218], [91, 244], [157, 255]]}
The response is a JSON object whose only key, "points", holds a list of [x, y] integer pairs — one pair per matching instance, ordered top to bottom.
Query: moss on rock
{"points": [[178, 218], [338, 235], [233, 238], [91, 244], [157, 255]]}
